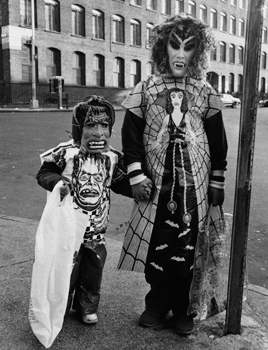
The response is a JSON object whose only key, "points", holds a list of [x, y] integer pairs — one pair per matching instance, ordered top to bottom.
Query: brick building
{"points": [[103, 44]]}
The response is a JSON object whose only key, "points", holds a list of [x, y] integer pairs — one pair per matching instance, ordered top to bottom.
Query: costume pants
{"points": [[86, 278]]}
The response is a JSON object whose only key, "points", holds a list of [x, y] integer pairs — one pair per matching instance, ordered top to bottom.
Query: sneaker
{"points": [[90, 318], [149, 318], [184, 325]]}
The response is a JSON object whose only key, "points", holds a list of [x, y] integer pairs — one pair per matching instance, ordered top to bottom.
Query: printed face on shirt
{"points": [[181, 50], [176, 99], [96, 134], [90, 184]]}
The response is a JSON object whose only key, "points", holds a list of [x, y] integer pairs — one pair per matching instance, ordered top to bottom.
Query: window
{"points": [[136, 2], [242, 4], [152, 5], [179, 6], [166, 7], [192, 8], [265, 11], [26, 13], [203, 13], [52, 15], [213, 19], [78, 20], [97, 24], [223, 24], [232, 25], [241, 27], [149, 28], [118, 29], [135, 32], [264, 35], [222, 51], [231, 53], [213, 54], [240, 55], [26, 58], [53, 60], [263, 60], [79, 68], [149, 69], [98, 70], [118, 72], [135, 72], [231, 82], [240, 83], [223, 84], [263, 85]]}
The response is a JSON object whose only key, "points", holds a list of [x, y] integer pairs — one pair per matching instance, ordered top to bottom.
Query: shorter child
{"points": [[89, 167]]}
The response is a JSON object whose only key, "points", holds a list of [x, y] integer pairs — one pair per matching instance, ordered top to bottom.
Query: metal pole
{"points": [[34, 102], [244, 166]]}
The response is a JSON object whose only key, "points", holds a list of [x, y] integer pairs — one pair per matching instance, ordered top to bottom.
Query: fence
{"points": [[20, 95]]}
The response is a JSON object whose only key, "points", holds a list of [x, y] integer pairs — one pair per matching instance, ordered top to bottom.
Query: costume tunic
{"points": [[178, 160], [103, 171]]}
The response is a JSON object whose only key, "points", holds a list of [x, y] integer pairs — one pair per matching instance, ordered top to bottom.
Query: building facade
{"points": [[105, 43]]}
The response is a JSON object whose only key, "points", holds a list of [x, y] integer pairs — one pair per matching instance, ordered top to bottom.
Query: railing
{"points": [[20, 95]]}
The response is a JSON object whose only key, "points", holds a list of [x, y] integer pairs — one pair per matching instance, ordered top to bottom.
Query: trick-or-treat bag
{"points": [[59, 235], [208, 294]]}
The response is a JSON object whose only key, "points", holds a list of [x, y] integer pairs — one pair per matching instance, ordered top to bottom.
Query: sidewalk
{"points": [[42, 109], [122, 302]]}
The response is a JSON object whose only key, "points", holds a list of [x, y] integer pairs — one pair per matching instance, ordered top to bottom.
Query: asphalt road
{"points": [[23, 136]]}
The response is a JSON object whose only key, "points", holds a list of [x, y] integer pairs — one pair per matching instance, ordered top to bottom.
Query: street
{"points": [[23, 136]]}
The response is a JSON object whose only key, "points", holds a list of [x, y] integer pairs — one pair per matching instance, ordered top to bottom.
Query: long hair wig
{"points": [[160, 37]]}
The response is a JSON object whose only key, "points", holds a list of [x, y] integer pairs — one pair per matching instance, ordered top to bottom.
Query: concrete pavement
{"points": [[122, 301]]}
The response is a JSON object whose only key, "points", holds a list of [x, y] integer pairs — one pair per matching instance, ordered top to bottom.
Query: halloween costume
{"points": [[91, 176], [162, 233]]}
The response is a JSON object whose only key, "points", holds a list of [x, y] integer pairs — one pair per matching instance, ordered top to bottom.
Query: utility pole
{"points": [[34, 102], [244, 166]]}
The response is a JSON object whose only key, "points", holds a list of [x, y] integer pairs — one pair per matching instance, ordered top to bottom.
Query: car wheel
{"points": [[235, 105]]}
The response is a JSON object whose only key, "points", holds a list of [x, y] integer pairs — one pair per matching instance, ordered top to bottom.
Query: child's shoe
{"points": [[90, 318], [149, 318], [184, 325]]}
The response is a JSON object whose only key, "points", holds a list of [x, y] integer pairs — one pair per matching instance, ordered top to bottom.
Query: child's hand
{"points": [[65, 188], [142, 190], [215, 196]]}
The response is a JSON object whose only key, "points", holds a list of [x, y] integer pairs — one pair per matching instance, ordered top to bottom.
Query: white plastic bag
{"points": [[59, 235]]}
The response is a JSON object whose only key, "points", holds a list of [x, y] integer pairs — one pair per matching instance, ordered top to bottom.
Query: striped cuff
{"points": [[133, 167], [217, 173], [137, 179], [217, 184]]}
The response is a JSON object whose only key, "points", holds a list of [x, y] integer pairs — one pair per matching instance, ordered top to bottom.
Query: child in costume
{"points": [[173, 136], [89, 167]]}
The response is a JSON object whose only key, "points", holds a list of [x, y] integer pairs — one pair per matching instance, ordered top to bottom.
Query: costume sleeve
{"points": [[218, 148], [133, 149], [53, 165], [49, 175], [120, 182]]}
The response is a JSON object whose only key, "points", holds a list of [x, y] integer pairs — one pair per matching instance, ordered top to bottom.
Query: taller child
{"points": [[173, 137]]}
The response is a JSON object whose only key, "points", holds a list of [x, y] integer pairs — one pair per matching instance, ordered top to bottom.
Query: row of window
{"points": [[52, 17], [232, 55], [53, 59], [53, 67], [231, 88]]}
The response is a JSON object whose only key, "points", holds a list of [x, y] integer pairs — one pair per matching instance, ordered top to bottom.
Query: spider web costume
{"points": [[162, 232]]}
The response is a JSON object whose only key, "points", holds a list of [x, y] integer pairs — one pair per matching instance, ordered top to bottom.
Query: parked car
{"points": [[230, 101], [263, 103]]}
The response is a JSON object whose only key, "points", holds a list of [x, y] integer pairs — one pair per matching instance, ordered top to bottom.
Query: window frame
{"points": [[52, 15], [78, 20], [118, 29], [98, 30], [135, 32]]}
